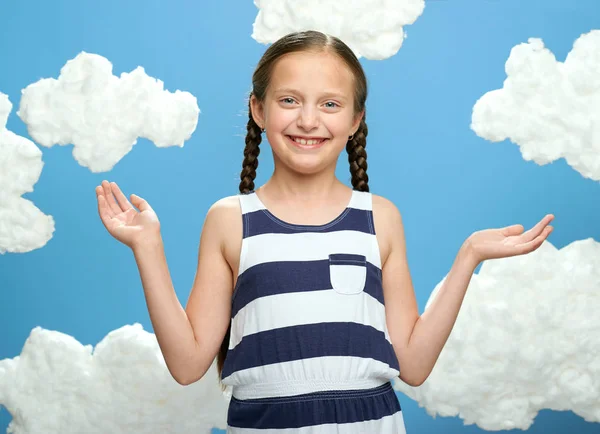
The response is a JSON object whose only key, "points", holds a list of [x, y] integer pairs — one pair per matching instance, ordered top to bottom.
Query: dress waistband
{"points": [[300, 387]]}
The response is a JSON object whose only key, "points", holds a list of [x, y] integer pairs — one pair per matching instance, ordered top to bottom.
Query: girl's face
{"points": [[308, 112]]}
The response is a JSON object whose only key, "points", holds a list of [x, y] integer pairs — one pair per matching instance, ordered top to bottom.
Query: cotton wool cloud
{"points": [[373, 29], [550, 109], [103, 115], [23, 226], [527, 338], [122, 386]]}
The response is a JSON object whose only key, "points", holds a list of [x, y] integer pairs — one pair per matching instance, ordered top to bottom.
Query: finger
{"points": [[110, 198], [121, 199], [140, 203], [103, 210], [513, 230], [535, 231], [534, 244]]}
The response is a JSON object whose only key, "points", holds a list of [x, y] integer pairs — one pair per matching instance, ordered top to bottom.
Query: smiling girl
{"points": [[302, 290]]}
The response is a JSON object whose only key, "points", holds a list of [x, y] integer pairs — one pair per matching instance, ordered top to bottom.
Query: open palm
{"points": [[121, 219], [509, 241]]}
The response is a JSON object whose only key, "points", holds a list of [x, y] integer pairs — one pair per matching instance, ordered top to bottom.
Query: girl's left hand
{"points": [[508, 241]]}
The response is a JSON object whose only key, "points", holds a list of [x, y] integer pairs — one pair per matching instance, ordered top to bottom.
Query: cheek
{"points": [[278, 119], [279, 124], [339, 126]]}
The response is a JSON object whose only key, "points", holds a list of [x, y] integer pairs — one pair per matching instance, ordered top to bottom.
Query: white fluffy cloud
{"points": [[371, 28], [550, 109], [103, 115], [23, 227], [526, 339], [121, 386]]}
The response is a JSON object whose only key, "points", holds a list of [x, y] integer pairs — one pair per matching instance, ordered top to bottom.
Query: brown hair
{"points": [[357, 155]]}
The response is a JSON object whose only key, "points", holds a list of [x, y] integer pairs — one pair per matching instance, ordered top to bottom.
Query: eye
{"points": [[287, 100], [333, 104]]}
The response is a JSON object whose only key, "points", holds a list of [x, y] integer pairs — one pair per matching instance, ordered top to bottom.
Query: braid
{"points": [[251, 152], [357, 157]]}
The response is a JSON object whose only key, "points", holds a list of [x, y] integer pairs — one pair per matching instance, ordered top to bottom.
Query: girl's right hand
{"points": [[122, 220]]}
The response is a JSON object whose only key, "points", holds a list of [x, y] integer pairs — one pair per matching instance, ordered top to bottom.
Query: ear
{"points": [[257, 110], [357, 121]]}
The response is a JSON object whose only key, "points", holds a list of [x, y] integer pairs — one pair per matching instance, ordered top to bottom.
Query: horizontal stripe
{"points": [[359, 200], [263, 222], [307, 246], [273, 278], [300, 308], [307, 341], [339, 407], [393, 424]]}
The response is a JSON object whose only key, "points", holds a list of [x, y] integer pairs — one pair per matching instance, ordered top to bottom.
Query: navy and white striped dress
{"points": [[309, 349]]}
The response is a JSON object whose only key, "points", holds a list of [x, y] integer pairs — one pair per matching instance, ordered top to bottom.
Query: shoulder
{"points": [[225, 206], [385, 210], [223, 214], [388, 225], [223, 228]]}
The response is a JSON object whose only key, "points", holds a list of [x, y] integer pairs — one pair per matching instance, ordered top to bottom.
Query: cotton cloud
{"points": [[371, 28], [550, 109], [103, 115], [23, 227], [526, 339], [121, 386]]}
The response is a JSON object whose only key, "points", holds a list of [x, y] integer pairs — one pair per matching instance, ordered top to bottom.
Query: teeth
{"points": [[306, 142]]}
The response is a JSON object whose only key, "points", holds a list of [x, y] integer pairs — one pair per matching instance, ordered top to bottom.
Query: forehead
{"points": [[312, 71]]}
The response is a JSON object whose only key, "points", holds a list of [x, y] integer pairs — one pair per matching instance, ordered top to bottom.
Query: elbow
{"points": [[413, 371], [188, 373], [180, 379], [185, 379], [414, 380], [183, 382], [416, 383]]}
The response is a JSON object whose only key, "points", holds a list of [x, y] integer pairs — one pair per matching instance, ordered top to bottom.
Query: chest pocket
{"points": [[347, 273]]}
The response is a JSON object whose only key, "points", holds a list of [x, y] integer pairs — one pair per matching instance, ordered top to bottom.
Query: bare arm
{"points": [[433, 327], [189, 340], [417, 340]]}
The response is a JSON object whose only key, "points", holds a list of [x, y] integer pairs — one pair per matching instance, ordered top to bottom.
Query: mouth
{"points": [[303, 143]]}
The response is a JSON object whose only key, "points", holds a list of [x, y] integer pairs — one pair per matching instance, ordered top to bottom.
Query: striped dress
{"points": [[309, 349]]}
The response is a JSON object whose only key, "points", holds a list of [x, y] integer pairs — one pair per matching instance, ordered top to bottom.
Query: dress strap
{"points": [[361, 200], [249, 202]]}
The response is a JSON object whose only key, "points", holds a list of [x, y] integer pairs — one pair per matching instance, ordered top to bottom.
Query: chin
{"points": [[304, 164]]}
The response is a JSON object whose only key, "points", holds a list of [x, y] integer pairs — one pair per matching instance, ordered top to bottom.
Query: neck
{"points": [[288, 185]]}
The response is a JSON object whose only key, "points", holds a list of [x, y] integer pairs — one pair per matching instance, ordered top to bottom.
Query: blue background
{"points": [[445, 180]]}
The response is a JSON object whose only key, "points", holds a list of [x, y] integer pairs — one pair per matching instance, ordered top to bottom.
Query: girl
{"points": [[302, 291]]}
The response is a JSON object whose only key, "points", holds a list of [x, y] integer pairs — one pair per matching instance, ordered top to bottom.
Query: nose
{"points": [[308, 118]]}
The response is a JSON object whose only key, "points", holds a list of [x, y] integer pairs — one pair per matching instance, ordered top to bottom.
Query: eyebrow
{"points": [[327, 93]]}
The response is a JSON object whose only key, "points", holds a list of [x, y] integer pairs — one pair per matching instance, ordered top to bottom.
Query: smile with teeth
{"points": [[309, 142]]}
